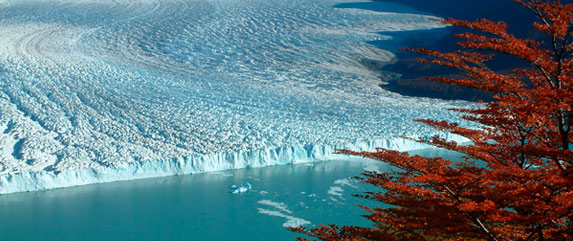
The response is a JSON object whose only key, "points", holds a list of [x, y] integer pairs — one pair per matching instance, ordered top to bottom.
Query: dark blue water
{"points": [[411, 81], [194, 207]]}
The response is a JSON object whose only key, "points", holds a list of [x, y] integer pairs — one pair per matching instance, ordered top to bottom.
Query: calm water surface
{"points": [[194, 207]]}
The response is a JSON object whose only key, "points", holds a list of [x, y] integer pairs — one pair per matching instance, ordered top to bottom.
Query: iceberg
{"points": [[95, 91], [245, 187]]}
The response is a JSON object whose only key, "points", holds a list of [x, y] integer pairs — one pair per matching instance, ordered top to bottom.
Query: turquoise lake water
{"points": [[195, 207]]}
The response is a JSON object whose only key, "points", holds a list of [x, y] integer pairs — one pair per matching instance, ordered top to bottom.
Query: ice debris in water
{"points": [[247, 186]]}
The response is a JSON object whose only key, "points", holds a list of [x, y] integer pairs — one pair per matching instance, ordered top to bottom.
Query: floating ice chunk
{"points": [[372, 166], [345, 182], [246, 187], [239, 190], [335, 192], [279, 206], [291, 222]]}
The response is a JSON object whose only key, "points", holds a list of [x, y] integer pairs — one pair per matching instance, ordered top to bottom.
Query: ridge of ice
{"points": [[41, 180]]}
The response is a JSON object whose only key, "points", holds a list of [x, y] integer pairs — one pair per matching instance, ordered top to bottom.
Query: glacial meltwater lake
{"points": [[196, 207]]}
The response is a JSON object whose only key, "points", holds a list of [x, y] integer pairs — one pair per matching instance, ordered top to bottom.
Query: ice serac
{"points": [[107, 90], [33, 181]]}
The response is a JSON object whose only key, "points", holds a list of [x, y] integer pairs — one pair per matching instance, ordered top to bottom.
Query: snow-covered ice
{"points": [[106, 90]]}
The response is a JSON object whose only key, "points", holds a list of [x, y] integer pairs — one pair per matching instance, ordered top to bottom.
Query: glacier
{"points": [[98, 91]]}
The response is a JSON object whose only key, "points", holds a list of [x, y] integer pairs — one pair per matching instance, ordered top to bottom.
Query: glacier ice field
{"points": [[106, 90]]}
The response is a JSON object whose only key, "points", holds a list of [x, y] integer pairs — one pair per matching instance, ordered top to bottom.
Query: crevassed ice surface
{"points": [[98, 84]]}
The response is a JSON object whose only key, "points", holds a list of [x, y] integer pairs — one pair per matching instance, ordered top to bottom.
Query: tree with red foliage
{"points": [[515, 180]]}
